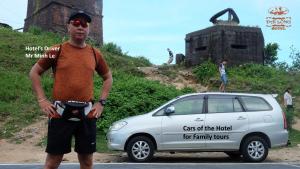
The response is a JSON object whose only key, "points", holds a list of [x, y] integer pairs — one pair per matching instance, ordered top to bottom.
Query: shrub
{"points": [[35, 30], [112, 48], [143, 60], [205, 71], [253, 71], [132, 95]]}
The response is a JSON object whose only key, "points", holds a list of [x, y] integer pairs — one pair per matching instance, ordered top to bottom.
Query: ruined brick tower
{"points": [[52, 15]]}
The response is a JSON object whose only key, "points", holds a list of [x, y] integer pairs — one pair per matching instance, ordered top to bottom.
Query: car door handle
{"points": [[241, 118], [199, 119]]}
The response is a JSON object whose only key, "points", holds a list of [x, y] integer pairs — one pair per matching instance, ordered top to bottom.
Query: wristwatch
{"points": [[102, 102]]}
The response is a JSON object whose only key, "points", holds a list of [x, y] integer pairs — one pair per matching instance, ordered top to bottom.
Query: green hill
{"points": [[252, 78], [131, 94]]}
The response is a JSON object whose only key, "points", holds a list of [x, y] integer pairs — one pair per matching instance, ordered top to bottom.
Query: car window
{"points": [[255, 103], [224, 104], [219, 105], [188, 106], [237, 106], [160, 112]]}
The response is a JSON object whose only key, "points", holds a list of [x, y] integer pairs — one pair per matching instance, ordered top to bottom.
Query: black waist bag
{"points": [[74, 110]]}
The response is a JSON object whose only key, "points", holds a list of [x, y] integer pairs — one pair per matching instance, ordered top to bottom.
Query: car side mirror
{"points": [[169, 110]]}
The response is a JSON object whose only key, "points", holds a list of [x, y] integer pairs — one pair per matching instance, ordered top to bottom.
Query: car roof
{"points": [[228, 94]]}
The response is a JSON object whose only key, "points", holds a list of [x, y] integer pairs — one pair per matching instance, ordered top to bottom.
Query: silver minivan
{"points": [[239, 124]]}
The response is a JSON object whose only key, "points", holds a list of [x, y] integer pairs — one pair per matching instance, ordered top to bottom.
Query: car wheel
{"points": [[140, 149], [254, 149], [234, 155]]}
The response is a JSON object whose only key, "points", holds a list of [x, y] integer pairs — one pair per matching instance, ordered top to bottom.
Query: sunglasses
{"points": [[77, 23]]}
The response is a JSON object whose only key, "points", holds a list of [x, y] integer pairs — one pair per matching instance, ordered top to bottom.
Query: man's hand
{"points": [[48, 108], [97, 110]]}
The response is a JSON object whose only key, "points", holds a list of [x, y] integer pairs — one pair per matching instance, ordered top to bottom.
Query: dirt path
{"points": [[181, 79], [297, 124], [24, 148]]}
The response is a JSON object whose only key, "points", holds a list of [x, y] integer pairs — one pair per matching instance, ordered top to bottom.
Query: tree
{"points": [[271, 53], [295, 55], [282, 66]]}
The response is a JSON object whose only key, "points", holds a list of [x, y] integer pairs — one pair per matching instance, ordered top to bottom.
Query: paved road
{"points": [[166, 166]]}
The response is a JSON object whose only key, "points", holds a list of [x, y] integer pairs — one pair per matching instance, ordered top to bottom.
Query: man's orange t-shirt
{"points": [[73, 78]]}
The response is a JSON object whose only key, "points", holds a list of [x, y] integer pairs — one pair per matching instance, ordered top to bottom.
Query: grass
{"points": [[18, 107], [294, 137], [43, 142], [102, 143]]}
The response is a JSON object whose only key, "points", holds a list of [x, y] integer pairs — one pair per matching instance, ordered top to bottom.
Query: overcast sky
{"points": [[148, 27]]}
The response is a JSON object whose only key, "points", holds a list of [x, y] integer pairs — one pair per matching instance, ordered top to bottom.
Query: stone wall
{"points": [[237, 44]]}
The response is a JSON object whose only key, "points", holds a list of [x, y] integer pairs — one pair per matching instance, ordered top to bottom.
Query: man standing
{"points": [[170, 56], [223, 75], [288, 103], [73, 113]]}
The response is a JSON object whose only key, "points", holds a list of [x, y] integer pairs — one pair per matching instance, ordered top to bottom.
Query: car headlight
{"points": [[118, 125]]}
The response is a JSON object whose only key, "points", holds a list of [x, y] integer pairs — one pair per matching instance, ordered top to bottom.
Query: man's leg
{"points": [[224, 82], [221, 88], [289, 116], [58, 141], [85, 142], [85, 160], [53, 161]]}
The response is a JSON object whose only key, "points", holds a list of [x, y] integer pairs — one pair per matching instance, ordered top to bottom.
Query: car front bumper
{"points": [[116, 140]]}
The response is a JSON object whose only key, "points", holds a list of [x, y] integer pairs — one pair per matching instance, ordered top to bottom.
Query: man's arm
{"points": [[35, 76], [107, 84], [284, 99], [44, 103]]}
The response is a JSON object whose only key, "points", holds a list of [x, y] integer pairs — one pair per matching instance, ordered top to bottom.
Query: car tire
{"points": [[140, 149], [254, 149], [234, 155]]}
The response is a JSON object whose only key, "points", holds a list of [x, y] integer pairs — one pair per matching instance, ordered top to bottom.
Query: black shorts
{"points": [[61, 131]]}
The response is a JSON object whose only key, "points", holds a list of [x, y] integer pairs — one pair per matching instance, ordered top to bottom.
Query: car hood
{"points": [[134, 118]]}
